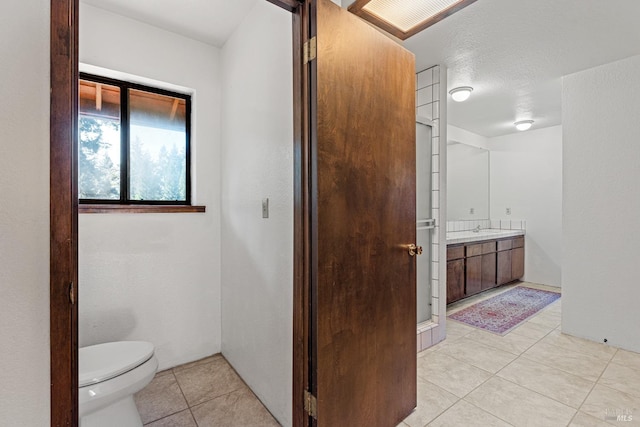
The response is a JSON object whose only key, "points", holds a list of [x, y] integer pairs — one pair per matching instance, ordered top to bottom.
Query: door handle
{"points": [[415, 250]]}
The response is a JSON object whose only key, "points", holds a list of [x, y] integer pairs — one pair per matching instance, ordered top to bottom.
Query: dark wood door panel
{"points": [[363, 208], [505, 245], [455, 252], [517, 263], [504, 268], [488, 271], [473, 275], [455, 280]]}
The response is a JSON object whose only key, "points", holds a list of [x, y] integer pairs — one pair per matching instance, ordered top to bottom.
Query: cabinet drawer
{"points": [[518, 242], [504, 245], [488, 247], [474, 250], [455, 252]]}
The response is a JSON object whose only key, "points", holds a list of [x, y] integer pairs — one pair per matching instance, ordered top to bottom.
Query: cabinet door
{"points": [[517, 263], [504, 267], [488, 271], [474, 276], [455, 280]]}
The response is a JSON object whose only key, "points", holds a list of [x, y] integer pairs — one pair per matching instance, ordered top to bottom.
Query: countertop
{"points": [[486, 234]]}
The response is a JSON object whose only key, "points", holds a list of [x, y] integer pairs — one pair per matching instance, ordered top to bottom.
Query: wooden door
{"points": [[363, 202]]}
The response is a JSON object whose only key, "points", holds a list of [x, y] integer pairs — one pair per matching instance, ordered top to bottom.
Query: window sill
{"points": [[100, 209]]}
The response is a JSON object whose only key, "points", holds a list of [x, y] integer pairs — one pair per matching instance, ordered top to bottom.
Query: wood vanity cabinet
{"points": [[517, 258], [510, 260], [504, 262], [478, 266], [455, 273]]}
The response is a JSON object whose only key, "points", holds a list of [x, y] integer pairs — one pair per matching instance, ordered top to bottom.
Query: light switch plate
{"points": [[265, 208], [508, 211]]}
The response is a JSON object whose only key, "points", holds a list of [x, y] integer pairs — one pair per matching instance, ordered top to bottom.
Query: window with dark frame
{"points": [[133, 144]]}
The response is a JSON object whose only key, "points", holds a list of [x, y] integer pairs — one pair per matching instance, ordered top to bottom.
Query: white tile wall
{"points": [[428, 106], [498, 224]]}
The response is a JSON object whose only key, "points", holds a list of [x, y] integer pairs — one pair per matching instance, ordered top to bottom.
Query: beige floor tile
{"points": [[553, 308], [548, 319], [457, 330], [531, 330], [511, 343], [599, 350], [479, 355], [627, 358], [200, 362], [582, 365], [162, 373], [451, 374], [622, 378], [208, 381], [551, 382], [162, 397], [432, 401], [604, 402], [518, 405], [237, 409], [467, 415], [181, 419], [583, 420]]}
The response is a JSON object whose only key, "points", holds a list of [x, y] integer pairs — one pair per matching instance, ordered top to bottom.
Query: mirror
{"points": [[467, 182]]}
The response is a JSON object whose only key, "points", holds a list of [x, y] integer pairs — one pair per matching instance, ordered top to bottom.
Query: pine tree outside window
{"points": [[134, 144]]}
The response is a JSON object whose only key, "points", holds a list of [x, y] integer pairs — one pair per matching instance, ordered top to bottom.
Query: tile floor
{"points": [[532, 376], [205, 393]]}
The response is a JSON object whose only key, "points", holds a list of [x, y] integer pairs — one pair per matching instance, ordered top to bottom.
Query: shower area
{"points": [[425, 224]]}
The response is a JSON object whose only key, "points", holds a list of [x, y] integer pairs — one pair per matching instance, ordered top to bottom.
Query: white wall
{"points": [[456, 134], [257, 162], [526, 176], [601, 206], [24, 213], [156, 277]]}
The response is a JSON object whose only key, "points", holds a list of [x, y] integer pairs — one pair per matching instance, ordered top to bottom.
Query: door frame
{"points": [[63, 204], [63, 244]]}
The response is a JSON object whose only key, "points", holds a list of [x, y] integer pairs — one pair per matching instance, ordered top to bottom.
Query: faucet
{"points": [[477, 229]]}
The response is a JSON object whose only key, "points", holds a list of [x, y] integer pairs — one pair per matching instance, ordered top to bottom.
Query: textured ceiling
{"points": [[210, 21], [514, 53]]}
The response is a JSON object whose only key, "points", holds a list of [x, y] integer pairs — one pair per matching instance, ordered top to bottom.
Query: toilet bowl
{"points": [[109, 375]]}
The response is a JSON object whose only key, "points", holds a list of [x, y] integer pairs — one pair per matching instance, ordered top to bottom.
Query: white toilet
{"points": [[109, 375]]}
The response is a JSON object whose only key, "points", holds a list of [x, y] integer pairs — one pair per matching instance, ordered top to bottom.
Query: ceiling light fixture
{"points": [[404, 18], [461, 94], [523, 125]]}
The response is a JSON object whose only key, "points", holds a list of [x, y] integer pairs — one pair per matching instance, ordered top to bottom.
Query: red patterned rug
{"points": [[507, 310]]}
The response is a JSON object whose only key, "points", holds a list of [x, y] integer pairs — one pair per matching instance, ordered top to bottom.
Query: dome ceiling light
{"points": [[404, 18], [461, 94], [523, 125]]}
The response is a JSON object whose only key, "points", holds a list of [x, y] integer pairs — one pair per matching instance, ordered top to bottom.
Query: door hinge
{"points": [[310, 50], [72, 298], [310, 404]]}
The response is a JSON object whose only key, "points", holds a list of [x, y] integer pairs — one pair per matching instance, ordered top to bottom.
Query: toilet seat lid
{"points": [[102, 362]]}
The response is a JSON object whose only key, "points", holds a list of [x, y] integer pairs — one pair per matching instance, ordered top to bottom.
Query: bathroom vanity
{"points": [[477, 261]]}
